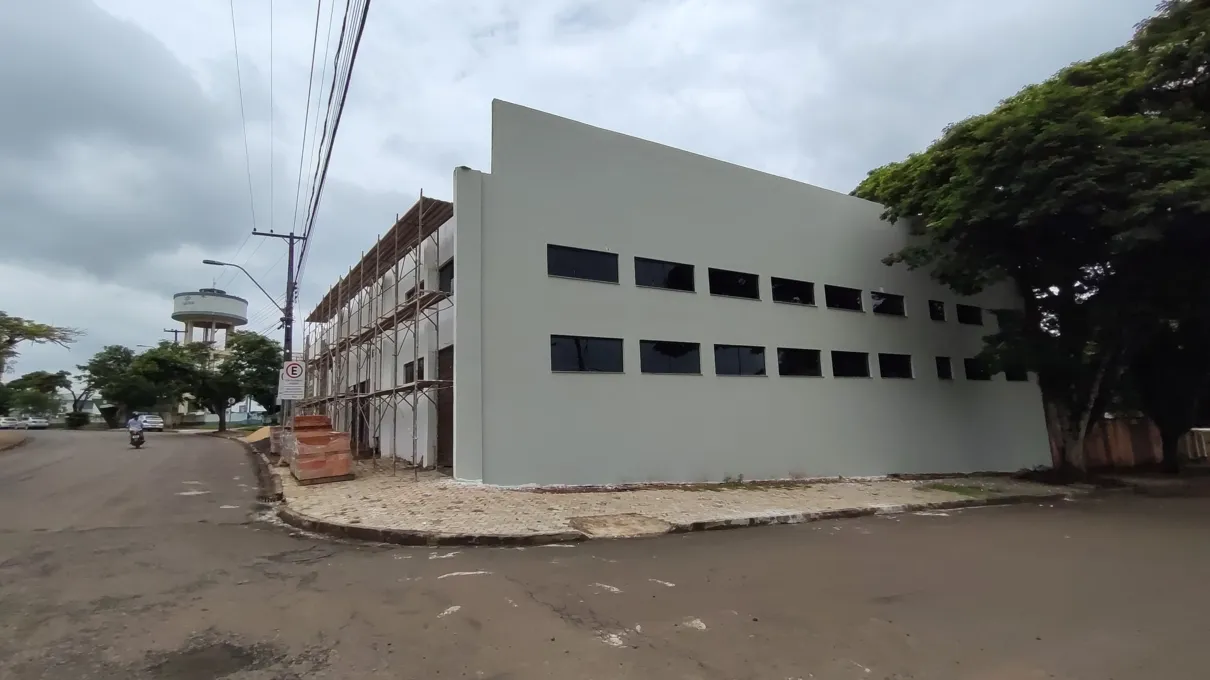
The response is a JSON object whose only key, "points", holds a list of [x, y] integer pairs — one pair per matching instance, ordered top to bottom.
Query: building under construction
{"points": [[627, 312], [379, 345]]}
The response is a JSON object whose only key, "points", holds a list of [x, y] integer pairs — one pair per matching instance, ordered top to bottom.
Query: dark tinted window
{"points": [[577, 263], [661, 274], [445, 277], [734, 284], [797, 292], [839, 297], [886, 303], [936, 310], [970, 315], [572, 353], [660, 356], [739, 360], [792, 361], [850, 365], [895, 365], [945, 368], [976, 370], [410, 373], [1015, 374]]}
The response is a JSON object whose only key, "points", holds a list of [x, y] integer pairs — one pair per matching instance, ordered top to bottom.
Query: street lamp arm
{"points": [[217, 263]]}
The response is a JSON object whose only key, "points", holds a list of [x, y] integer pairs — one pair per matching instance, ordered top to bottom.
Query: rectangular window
{"points": [[578, 263], [660, 274], [445, 278], [734, 284], [412, 292], [794, 292], [839, 297], [888, 304], [936, 310], [970, 315], [587, 355], [661, 356], [739, 360], [804, 362], [850, 365], [895, 366], [945, 368], [976, 370], [410, 372], [1016, 374]]}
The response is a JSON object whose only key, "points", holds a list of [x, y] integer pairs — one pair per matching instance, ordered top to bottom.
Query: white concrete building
{"points": [[626, 312]]}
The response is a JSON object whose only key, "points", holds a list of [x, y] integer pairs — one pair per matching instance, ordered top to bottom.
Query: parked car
{"points": [[152, 422], [9, 423], [36, 423]]}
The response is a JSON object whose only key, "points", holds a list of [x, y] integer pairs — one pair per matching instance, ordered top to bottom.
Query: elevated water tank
{"points": [[209, 309]]}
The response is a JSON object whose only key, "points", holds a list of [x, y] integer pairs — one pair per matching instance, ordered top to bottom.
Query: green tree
{"points": [[1062, 192], [15, 330], [257, 360], [111, 373], [42, 381], [216, 388], [6, 400], [31, 402]]}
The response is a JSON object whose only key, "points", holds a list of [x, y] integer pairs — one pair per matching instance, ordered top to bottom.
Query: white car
{"points": [[152, 422], [7, 423], [36, 423]]}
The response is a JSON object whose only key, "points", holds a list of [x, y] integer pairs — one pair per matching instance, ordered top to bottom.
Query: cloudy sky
{"points": [[122, 160]]}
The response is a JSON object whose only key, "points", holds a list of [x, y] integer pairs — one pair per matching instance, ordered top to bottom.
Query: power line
{"points": [[356, 25], [239, 79], [272, 140], [302, 150]]}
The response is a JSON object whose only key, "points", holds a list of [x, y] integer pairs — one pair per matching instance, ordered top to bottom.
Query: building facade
{"points": [[626, 312]]}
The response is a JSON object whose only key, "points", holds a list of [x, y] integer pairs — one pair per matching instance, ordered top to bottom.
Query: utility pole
{"points": [[288, 310], [176, 334]]}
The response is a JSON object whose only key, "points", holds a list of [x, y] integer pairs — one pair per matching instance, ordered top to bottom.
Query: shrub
{"points": [[76, 420]]}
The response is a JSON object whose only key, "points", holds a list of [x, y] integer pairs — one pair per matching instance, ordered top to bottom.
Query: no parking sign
{"points": [[290, 382]]}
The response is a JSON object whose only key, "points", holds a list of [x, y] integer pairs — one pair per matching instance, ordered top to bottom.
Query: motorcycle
{"points": [[136, 438]]}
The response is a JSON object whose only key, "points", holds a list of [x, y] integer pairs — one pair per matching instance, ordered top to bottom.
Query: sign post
{"points": [[290, 384]]}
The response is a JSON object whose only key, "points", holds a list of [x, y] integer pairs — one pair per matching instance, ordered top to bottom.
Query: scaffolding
{"points": [[365, 330]]}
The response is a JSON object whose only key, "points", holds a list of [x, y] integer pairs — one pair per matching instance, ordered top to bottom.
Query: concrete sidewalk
{"points": [[394, 506]]}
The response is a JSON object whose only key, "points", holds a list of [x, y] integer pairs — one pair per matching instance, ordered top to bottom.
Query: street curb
{"points": [[15, 445], [268, 485], [417, 537]]}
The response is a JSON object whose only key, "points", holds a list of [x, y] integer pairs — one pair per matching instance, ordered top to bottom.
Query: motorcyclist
{"points": [[134, 424]]}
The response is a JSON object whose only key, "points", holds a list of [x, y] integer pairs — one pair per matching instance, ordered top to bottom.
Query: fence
{"points": [[1134, 442]]}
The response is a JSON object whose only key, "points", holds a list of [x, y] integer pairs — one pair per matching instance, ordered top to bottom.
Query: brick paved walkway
{"points": [[381, 499]]}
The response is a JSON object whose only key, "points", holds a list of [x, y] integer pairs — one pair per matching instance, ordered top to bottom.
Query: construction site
{"points": [[379, 345]]}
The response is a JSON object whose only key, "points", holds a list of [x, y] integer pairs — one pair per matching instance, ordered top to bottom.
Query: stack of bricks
{"points": [[317, 454]]}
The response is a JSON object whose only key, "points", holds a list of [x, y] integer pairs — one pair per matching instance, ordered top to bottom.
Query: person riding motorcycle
{"points": [[134, 427]]}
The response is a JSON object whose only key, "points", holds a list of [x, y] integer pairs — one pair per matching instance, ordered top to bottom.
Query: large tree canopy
{"points": [[1089, 193], [14, 330]]}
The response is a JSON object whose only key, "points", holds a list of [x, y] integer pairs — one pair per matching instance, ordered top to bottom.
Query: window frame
{"points": [[556, 248], [651, 260], [448, 266], [710, 276], [775, 280], [860, 298], [874, 300], [933, 306], [958, 309], [619, 343], [782, 352], [865, 355], [888, 355], [948, 363], [764, 364], [643, 368], [981, 374]]}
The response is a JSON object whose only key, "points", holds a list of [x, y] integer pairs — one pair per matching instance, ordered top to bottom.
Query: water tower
{"points": [[211, 310]]}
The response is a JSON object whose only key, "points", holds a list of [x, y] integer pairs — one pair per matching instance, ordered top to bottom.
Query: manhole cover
{"points": [[625, 525]]}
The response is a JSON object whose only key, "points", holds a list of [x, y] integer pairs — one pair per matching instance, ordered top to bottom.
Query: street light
{"points": [[287, 311]]}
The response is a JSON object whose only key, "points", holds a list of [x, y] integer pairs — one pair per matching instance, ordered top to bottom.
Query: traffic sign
{"points": [[290, 382]]}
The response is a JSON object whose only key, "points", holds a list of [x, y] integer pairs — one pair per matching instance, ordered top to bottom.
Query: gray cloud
{"points": [[122, 150]]}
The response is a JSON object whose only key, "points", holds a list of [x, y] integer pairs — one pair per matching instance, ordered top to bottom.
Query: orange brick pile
{"points": [[319, 454]]}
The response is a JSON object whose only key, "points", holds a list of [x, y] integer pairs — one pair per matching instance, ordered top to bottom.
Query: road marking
{"points": [[192, 482], [192, 493], [228, 507], [435, 556], [462, 573], [663, 583], [608, 587], [449, 611]]}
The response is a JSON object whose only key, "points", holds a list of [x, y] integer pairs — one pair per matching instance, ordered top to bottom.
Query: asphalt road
{"points": [[117, 563]]}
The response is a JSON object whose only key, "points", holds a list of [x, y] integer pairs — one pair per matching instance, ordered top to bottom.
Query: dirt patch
{"points": [[9, 439], [968, 490], [624, 525], [214, 660]]}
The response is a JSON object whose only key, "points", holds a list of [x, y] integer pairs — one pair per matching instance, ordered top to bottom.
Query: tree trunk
{"points": [[222, 420], [1170, 439]]}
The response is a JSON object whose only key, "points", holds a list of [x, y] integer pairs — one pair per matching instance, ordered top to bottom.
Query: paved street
{"points": [[117, 563]]}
